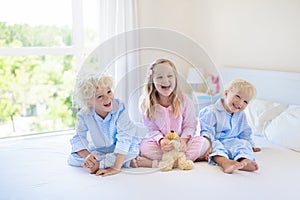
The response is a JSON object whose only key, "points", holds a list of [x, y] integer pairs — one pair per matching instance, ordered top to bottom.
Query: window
{"points": [[42, 46]]}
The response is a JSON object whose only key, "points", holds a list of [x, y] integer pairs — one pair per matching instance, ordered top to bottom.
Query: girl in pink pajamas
{"points": [[165, 108]]}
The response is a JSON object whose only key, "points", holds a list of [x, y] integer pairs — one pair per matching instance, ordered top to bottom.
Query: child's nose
{"points": [[165, 79], [106, 97], [241, 102]]}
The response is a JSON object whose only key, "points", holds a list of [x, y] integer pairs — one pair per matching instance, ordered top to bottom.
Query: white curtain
{"points": [[118, 20]]}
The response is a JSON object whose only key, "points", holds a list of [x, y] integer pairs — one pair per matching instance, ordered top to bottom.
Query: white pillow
{"points": [[259, 113], [285, 129]]}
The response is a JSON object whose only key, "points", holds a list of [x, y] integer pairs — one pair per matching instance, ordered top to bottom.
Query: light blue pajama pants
{"points": [[232, 149], [106, 159]]}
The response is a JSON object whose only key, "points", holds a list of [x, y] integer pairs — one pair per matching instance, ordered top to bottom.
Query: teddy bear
{"points": [[174, 158]]}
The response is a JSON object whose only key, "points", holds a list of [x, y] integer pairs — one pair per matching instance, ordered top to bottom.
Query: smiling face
{"points": [[164, 79], [236, 100], [103, 101]]}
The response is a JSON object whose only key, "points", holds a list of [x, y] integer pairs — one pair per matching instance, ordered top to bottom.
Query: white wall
{"points": [[167, 14], [175, 16], [261, 34]]}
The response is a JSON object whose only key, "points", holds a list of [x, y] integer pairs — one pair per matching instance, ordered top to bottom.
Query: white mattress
{"points": [[36, 168]]}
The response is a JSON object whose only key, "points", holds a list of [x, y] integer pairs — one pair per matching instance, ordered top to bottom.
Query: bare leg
{"points": [[143, 162], [251, 165], [229, 166]]}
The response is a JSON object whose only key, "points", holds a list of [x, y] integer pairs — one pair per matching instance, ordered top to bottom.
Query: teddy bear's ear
{"points": [[171, 135]]}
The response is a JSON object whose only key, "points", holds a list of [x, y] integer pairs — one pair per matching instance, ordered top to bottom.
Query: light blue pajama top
{"points": [[224, 130], [116, 133]]}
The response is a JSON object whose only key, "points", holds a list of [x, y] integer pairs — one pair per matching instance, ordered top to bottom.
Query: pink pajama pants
{"points": [[196, 148]]}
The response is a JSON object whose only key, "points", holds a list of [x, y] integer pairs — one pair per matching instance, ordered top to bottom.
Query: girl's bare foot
{"points": [[208, 152], [143, 162], [133, 163], [251, 165]]}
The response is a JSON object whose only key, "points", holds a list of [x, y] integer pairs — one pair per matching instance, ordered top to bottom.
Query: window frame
{"points": [[76, 49]]}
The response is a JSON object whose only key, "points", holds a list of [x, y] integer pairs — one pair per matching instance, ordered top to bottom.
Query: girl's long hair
{"points": [[150, 96]]}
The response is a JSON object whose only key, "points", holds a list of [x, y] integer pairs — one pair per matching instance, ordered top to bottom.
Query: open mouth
{"points": [[165, 87], [107, 104], [236, 106]]}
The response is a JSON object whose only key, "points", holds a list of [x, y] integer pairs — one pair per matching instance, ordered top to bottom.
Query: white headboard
{"points": [[276, 86]]}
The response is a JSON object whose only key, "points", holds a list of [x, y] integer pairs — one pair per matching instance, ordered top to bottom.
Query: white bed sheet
{"points": [[36, 168]]}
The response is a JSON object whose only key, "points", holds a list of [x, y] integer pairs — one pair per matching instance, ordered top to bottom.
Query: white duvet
{"points": [[36, 168]]}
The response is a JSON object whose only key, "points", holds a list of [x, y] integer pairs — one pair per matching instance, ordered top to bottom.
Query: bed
{"points": [[36, 167]]}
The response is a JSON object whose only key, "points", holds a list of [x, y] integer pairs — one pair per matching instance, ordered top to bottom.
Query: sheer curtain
{"points": [[118, 20]]}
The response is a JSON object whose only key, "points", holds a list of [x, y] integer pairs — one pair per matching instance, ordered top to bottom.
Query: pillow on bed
{"points": [[260, 112], [285, 129]]}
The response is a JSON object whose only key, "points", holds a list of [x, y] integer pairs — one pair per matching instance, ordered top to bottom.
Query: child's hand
{"points": [[183, 144], [166, 145], [256, 149], [90, 161], [94, 169], [107, 172]]}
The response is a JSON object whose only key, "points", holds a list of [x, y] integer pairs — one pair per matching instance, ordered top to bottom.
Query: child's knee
{"points": [[205, 144], [149, 147]]}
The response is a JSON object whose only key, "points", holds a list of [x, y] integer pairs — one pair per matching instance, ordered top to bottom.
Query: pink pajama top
{"points": [[184, 124]]}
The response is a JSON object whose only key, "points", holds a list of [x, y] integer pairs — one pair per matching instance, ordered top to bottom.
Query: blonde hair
{"points": [[241, 85], [86, 87], [150, 97]]}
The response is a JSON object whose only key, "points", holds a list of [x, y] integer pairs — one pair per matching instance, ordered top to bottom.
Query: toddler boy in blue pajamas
{"points": [[225, 124]]}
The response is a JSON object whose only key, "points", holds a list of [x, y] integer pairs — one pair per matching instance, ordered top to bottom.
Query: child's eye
{"points": [[170, 76], [159, 77], [109, 91], [238, 96], [99, 97], [246, 102]]}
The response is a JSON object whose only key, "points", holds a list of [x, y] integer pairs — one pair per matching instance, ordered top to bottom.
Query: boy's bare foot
{"points": [[143, 162], [251, 165], [229, 166]]}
